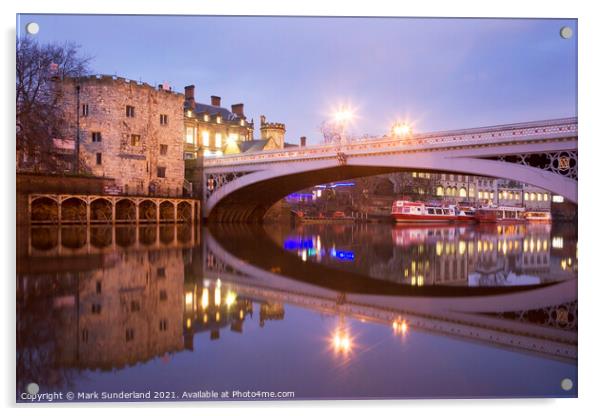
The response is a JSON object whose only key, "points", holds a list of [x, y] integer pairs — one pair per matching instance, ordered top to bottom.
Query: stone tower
{"points": [[273, 131]]}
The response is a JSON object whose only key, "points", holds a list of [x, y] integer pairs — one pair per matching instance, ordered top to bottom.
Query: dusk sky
{"points": [[437, 73]]}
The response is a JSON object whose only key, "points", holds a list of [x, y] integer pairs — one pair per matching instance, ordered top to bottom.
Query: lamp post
{"points": [[401, 129]]}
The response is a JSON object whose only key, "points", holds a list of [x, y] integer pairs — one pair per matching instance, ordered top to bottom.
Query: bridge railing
{"points": [[522, 131]]}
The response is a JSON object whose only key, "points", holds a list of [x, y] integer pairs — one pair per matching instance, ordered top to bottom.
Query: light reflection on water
{"points": [[498, 255], [178, 308]]}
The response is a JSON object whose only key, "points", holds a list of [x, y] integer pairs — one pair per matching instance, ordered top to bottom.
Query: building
{"points": [[125, 130], [212, 130]]}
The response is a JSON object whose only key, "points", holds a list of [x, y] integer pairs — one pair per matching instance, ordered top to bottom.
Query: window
{"points": [[85, 110], [129, 111], [206, 117], [163, 119], [218, 119], [190, 135], [96, 137], [205, 138], [135, 139], [218, 140], [163, 149], [188, 155], [99, 158], [160, 171], [440, 190], [463, 192], [480, 194], [526, 196], [533, 196], [539, 196], [545, 197], [559, 199], [161, 272], [98, 287], [163, 295], [135, 306], [96, 308], [163, 325], [129, 334], [84, 335]]}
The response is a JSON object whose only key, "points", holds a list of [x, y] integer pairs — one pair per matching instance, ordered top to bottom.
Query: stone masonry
{"points": [[128, 131]]}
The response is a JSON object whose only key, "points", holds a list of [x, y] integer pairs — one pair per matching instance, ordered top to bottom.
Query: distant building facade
{"points": [[126, 130], [211, 130]]}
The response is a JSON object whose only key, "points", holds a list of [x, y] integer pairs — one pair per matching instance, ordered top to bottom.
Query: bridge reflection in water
{"points": [[97, 303]]}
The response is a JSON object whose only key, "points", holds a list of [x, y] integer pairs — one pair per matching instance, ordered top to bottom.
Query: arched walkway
{"points": [[44, 209], [74, 210], [101, 210], [125, 210], [147, 210], [167, 211], [184, 212]]}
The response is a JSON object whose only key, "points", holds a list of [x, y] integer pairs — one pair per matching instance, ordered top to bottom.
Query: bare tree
{"points": [[39, 116]]}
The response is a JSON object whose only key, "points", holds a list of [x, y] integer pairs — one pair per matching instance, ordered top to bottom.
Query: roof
{"points": [[213, 110], [252, 145]]}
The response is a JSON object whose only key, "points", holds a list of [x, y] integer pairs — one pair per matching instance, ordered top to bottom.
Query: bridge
{"points": [[242, 187]]}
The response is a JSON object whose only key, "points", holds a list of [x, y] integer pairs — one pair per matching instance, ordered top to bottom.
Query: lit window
{"points": [[85, 110], [129, 111], [206, 117], [163, 119], [218, 119], [242, 122], [190, 135], [206, 138], [232, 138], [135, 139], [218, 140], [439, 191], [463, 192], [480, 194], [526, 196], [533, 196], [539, 196], [545, 197], [558, 199]]}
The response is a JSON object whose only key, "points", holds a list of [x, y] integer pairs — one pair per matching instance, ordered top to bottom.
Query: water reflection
{"points": [[503, 255], [172, 307]]}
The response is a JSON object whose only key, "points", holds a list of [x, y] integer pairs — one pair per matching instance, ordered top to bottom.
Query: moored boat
{"points": [[408, 211], [505, 214], [538, 216]]}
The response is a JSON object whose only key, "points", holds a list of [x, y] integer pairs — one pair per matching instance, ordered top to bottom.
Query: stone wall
{"points": [[134, 164]]}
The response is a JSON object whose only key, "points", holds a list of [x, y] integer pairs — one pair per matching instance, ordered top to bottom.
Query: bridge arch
{"points": [[247, 198]]}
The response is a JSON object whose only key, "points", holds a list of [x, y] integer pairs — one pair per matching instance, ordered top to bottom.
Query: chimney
{"points": [[189, 95], [216, 101], [238, 109], [302, 141]]}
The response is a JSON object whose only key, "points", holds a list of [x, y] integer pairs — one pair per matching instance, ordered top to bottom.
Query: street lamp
{"points": [[341, 119], [401, 129]]}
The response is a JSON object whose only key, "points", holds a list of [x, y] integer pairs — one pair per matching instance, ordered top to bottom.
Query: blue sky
{"points": [[437, 73]]}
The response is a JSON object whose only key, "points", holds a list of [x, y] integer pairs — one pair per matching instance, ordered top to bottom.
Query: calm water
{"points": [[321, 310]]}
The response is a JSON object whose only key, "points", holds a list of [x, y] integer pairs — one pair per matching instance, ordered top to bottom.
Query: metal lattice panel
{"points": [[562, 163], [214, 181]]}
